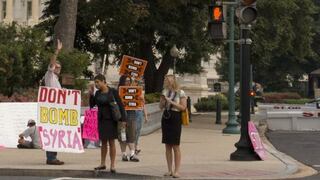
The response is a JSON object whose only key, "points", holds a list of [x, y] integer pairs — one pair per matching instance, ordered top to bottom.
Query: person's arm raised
{"points": [[53, 59]]}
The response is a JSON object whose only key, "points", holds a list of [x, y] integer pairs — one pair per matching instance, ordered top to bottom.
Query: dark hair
{"points": [[100, 77], [122, 80]]}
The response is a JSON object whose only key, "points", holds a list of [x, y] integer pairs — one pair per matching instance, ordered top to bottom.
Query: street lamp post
{"points": [[174, 52], [232, 125], [244, 150]]}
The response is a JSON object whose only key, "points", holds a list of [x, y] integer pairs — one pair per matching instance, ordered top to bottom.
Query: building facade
{"points": [[23, 12]]}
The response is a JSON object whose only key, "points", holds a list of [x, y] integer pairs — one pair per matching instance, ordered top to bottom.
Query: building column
{"points": [[35, 11], [9, 13]]}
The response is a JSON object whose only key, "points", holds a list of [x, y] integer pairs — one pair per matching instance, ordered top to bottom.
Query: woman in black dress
{"points": [[173, 100], [107, 126]]}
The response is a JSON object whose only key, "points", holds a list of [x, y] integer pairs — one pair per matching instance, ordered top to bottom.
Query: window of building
{"points": [[4, 9], [29, 10], [210, 83]]}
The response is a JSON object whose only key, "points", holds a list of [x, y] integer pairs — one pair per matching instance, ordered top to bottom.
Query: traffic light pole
{"points": [[232, 125], [244, 147]]}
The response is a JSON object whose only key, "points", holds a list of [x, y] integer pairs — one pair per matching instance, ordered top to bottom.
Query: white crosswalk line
{"points": [[70, 178]]}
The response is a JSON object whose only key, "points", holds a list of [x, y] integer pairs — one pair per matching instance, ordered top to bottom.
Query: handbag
{"points": [[115, 110], [185, 117]]}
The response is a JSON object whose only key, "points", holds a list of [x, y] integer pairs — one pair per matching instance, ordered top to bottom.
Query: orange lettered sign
{"points": [[133, 67], [131, 97]]}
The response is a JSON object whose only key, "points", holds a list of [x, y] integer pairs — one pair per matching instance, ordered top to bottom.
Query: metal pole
{"points": [[174, 65], [251, 88], [189, 107], [218, 111], [232, 125], [244, 147]]}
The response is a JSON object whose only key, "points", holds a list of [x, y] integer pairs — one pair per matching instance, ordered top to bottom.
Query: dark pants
{"points": [[51, 155]]}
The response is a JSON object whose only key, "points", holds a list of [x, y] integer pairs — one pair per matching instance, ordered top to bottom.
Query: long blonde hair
{"points": [[173, 86]]}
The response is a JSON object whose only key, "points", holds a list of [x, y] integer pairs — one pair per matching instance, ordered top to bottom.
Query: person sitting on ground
{"points": [[33, 132]]}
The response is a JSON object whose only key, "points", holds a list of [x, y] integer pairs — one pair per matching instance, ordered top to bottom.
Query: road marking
{"points": [[70, 178]]}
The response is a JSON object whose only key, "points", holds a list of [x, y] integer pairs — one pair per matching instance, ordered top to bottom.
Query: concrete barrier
{"points": [[263, 108], [294, 120]]}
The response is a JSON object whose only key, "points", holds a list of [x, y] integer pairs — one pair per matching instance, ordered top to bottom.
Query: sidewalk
{"points": [[205, 155]]}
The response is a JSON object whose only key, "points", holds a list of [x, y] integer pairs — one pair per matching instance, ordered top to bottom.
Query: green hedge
{"points": [[152, 98], [295, 101], [209, 104]]}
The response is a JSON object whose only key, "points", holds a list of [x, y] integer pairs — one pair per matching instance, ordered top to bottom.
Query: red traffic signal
{"points": [[216, 13], [216, 24], [252, 93]]}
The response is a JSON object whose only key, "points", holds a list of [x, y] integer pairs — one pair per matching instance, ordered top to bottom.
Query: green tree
{"points": [[147, 30], [282, 42], [22, 51], [24, 59]]}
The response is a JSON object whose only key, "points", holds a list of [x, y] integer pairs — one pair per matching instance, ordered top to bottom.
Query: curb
{"points": [[294, 168], [71, 173]]}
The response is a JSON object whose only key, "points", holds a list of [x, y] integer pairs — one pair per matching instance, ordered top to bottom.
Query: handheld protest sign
{"points": [[132, 67], [131, 97], [59, 119], [90, 125]]}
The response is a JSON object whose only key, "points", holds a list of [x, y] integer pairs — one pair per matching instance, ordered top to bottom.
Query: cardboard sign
{"points": [[133, 67], [131, 97], [59, 119], [90, 125], [256, 141]]}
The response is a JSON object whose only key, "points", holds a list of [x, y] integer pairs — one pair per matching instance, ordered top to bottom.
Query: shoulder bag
{"points": [[115, 110]]}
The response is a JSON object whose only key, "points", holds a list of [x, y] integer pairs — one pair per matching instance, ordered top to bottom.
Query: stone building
{"points": [[24, 12]]}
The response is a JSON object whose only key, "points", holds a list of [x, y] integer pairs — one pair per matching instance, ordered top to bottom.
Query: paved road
{"points": [[302, 146], [46, 178]]}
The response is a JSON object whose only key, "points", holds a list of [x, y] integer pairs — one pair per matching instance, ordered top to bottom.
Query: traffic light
{"points": [[247, 11], [216, 13], [216, 24], [252, 93]]}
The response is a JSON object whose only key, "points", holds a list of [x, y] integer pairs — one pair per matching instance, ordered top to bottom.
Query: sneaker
{"points": [[137, 151], [125, 158], [134, 158], [55, 162]]}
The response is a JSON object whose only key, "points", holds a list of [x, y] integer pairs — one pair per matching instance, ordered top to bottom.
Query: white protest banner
{"points": [[59, 119], [13, 121]]}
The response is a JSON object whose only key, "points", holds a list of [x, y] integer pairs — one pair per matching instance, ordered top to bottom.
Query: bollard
{"points": [[252, 104], [189, 107], [218, 111]]}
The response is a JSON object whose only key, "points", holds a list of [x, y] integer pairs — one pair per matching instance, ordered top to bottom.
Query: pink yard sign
{"points": [[90, 125], [256, 141], [1, 147]]}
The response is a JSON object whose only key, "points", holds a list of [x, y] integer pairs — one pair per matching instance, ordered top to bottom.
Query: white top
{"points": [[51, 79], [179, 94], [33, 132]]}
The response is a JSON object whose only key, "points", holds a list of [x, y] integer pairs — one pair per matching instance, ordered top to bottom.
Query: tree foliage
{"points": [[144, 29], [283, 37], [22, 51], [24, 58]]}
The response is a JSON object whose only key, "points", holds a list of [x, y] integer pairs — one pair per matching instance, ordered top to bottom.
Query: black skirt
{"points": [[171, 127], [107, 129]]}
